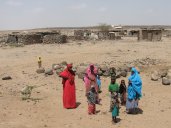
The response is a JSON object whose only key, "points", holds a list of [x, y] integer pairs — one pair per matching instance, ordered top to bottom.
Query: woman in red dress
{"points": [[69, 95]]}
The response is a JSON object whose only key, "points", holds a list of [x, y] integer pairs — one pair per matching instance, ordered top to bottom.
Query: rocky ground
{"points": [[41, 105]]}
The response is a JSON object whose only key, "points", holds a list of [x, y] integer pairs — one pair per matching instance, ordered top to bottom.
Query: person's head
{"points": [[69, 67], [91, 67], [113, 69], [133, 71], [113, 81], [123, 82], [129, 83]]}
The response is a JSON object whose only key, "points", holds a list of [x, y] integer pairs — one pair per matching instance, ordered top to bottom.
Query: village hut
{"points": [[150, 34]]}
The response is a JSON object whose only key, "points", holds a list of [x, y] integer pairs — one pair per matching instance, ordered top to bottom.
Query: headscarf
{"points": [[69, 66], [89, 69], [68, 75], [136, 81]]}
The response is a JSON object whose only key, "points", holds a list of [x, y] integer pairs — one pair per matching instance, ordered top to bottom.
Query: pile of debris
{"points": [[144, 62], [55, 68], [103, 70], [164, 75]]}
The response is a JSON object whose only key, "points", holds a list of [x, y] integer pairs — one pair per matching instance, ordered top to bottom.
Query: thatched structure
{"points": [[150, 34]]}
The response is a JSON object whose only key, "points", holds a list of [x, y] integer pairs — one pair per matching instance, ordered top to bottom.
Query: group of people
{"points": [[129, 96]]}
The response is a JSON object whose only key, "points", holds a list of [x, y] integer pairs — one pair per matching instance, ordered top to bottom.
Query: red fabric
{"points": [[69, 65], [69, 95], [91, 109]]}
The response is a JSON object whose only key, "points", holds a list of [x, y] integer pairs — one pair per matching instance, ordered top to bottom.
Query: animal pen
{"points": [[150, 34]]}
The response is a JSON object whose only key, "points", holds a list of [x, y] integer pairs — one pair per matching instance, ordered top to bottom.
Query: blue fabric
{"points": [[99, 82], [136, 82], [131, 93], [131, 104], [115, 111]]}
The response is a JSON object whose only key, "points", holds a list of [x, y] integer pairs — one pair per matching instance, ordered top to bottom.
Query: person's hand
{"points": [[129, 82], [86, 94]]}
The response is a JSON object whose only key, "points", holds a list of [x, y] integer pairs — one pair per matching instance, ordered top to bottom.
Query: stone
{"points": [[63, 63], [83, 64], [56, 66], [103, 68], [126, 68], [40, 70], [58, 71], [81, 71], [169, 71], [49, 72], [100, 73], [106, 73], [163, 73], [118, 74], [123, 74], [81, 75], [169, 75], [155, 76], [7, 78], [165, 81], [26, 92]]}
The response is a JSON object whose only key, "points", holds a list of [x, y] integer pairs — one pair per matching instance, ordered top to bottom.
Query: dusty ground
{"points": [[21, 63]]}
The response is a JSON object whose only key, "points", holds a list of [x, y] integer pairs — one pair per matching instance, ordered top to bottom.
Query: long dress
{"points": [[90, 79], [134, 90], [122, 91], [69, 95], [91, 97], [131, 102], [115, 105]]}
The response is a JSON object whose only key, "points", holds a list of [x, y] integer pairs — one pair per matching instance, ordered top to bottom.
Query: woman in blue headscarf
{"points": [[134, 90]]}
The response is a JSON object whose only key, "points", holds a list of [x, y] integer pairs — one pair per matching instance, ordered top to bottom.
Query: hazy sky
{"points": [[23, 14]]}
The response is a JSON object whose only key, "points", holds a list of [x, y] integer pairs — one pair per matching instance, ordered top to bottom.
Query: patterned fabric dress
{"points": [[92, 100], [115, 104]]}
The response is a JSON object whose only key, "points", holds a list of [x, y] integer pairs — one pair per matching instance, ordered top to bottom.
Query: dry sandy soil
{"points": [[21, 63]]}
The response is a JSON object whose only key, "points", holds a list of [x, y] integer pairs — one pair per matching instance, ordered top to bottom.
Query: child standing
{"points": [[39, 62], [113, 87], [122, 91], [92, 100], [115, 106]]}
